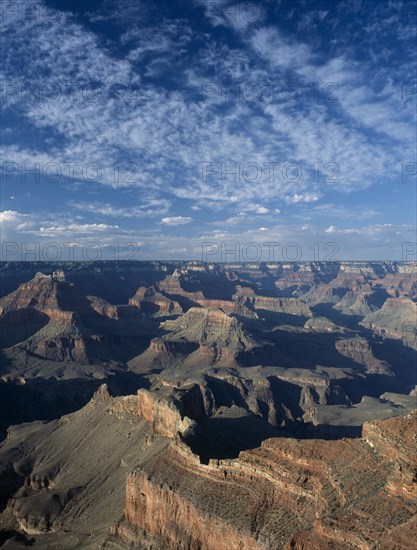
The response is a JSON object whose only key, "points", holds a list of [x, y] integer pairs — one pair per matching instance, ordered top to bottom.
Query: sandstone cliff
{"points": [[286, 494]]}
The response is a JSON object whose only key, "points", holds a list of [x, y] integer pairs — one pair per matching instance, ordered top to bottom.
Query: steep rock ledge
{"points": [[171, 414], [285, 494]]}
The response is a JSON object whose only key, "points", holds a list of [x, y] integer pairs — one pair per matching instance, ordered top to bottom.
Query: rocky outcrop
{"points": [[402, 283], [171, 286], [339, 288], [41, 293], [47, 297], [154, 303], [355, 303], [291, 306], [231, 307], [114, 312], [396, 319], [60, 324], [321, 324], [210, 328], [360, 351], [233, 356], [173, 417], [395, 440], [70, 474], [60, 481], [285, 494]]}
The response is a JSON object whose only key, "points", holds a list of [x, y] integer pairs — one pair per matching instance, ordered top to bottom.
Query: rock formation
{"points": [[154, 303], [396, 319], [62, 324], [211, 328], [232, 414], [285, 494]]}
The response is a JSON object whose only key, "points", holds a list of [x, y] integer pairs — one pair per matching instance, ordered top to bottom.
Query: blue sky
{"points": [[150, 129]]}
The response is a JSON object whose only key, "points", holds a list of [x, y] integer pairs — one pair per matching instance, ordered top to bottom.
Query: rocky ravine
{"points": [[280, 341], [238, 359], [120, 473], [286, 494]]}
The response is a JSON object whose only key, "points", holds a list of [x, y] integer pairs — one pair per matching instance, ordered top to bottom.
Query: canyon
{"points": [[195, 405]]}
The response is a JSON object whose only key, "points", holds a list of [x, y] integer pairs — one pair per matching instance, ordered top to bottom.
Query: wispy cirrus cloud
{"points": [[238, 115], [149, 208]]}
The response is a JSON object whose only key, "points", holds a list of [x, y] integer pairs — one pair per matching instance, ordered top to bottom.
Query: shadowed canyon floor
{"points": [[190, 405]]}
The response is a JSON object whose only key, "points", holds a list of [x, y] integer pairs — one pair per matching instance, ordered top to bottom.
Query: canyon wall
{"points": [[286, 494]]}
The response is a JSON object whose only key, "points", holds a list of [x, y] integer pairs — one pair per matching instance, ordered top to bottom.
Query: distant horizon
{"points": [[173, 261]]}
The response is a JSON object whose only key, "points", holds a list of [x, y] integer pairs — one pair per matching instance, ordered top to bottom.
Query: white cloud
{"points": [[270, 44], [342, 80], [146, 123], [306, 197], [262, 210], [9, 216], [176, 220], [14, 223], [74, 229], [379, 241]]}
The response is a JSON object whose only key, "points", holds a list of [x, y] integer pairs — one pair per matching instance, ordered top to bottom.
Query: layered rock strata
{"points": [[287, 494]]}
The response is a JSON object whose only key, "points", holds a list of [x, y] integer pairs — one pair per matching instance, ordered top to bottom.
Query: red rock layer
{"points": [[287, 494]]}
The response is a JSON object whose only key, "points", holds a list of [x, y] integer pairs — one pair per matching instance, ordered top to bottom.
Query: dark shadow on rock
{"points": [[115, 281], [185, 303], [277, 318], [341, 319], [18, 325], [300, 350], [402, 361], [225, 394], [49, 399], [307, 430], [219, 438], [222, 438], [10, 482], [18, 538]]}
